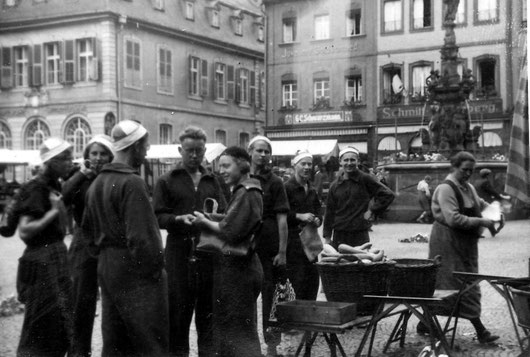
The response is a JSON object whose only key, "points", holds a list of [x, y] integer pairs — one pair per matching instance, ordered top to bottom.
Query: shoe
{"points": [[422, 329], [486, 337]]}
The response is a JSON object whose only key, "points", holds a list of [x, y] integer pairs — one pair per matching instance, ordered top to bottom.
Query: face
{"points": [[140, 151], [192, 152], [260, 153], [98, 155], [349, 162], [61, 164], [302, 169], [229, 170], [464, 172]]}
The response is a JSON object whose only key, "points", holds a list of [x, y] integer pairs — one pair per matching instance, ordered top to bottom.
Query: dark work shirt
{"points": [[486, 191], [74, 192], [175, 195], [348, 200], [35, 202], [274, 202], [300, 202]]}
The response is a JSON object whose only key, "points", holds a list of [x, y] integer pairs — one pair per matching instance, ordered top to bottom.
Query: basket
{"points": [[414, 277], [349, 282]]}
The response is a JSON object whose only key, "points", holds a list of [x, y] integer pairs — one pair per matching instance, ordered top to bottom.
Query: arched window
{"points": [[36, 132], [78, 133], [5, 136], [489, 139], [389, 143]]}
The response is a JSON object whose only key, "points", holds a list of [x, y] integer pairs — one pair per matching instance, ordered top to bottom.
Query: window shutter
{"points": [[61, 61], [69, 62], [94, 69], [36, 74], [190, 77], [204, 78], [6, 79], [215, 81], [230, 84], [238, 85], [252, 98]]}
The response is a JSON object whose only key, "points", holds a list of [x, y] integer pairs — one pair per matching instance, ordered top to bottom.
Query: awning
{"points": [[314, 147], [213, 150], [21, 157]]}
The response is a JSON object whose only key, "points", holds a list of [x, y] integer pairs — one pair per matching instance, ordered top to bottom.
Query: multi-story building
{"points": [[321, 64], [73, 68], [355, 70]]}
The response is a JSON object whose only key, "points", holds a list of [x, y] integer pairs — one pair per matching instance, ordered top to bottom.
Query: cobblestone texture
{"points": [[507, 254]]}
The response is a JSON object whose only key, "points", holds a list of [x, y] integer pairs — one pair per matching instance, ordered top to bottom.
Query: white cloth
{"points": [[424, 186]]}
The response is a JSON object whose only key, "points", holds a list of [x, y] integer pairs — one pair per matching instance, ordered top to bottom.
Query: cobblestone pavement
{"points": [[507, 254]]}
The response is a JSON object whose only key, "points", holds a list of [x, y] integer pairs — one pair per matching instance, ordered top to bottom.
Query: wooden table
{"points": [[501, 284], [417, 306]]}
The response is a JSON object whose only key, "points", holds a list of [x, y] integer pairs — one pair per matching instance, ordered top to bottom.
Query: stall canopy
{"points": [[315, 147], [213, 150], [19, 157]]}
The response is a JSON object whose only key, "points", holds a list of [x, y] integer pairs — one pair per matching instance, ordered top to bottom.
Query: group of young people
{"points": [[150, 292]]}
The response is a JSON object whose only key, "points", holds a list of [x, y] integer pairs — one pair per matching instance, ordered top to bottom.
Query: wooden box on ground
{"points": [[316, 312]]}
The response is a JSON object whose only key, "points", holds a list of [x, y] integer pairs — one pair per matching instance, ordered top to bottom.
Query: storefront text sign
{"points": [[411, 111], [317, 117]]}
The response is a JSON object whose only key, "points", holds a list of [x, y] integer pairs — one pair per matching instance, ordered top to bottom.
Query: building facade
{"points": [[73, 68], [355, 70]]}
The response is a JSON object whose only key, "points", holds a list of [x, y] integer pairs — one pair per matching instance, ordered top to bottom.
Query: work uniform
{"points": [[189, 280], [133, 281]]}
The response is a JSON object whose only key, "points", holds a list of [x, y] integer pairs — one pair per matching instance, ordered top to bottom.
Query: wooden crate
{"points": [[316, 312]]}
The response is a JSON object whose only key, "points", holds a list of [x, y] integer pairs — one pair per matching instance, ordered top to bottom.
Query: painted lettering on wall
{"points": [[411, 111]]}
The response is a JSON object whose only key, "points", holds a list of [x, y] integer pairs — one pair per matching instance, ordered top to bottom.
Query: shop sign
{"points": [[413, 111], [318, 117]]}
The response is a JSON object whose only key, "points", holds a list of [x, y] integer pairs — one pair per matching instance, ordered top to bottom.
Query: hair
{"points": [[193, 132], [241, 157], [460, 157], [427, 177]]}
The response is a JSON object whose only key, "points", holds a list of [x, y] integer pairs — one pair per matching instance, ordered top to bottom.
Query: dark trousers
{"points": [[351, 238], [84, 269], [302, 273], [271, 276], [237, 286], [190, 289], [134, 319]]}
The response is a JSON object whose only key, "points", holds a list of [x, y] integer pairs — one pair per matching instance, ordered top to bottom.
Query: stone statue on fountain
{"points": [[449, 127]]}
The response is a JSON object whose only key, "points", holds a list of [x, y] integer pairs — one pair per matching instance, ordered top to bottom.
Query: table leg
{"points": [[509, 301], [372, 326], [436, 330], [305, 337], [334, 337], [309, 343], [331, 345]]}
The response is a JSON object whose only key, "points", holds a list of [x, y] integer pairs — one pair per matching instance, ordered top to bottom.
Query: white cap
{"points": [[126, 133], [258, 138], [103, 140], [52, 147], [348, 149], [299, 156]]}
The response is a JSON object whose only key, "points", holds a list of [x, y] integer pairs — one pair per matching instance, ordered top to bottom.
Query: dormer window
{"points": [[190, 10], [215, 18], [237, 22], [261, 34]]}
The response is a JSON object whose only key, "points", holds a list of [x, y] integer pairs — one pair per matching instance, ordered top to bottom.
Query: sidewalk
{"points": [[507, 254]]}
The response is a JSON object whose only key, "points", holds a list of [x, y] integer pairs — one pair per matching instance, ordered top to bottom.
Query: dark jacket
{"points": [[74, 191], [348, 200], [300, 202], [119, 214]]}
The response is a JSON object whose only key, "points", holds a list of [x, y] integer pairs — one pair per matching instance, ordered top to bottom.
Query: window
{"points": [[158, 4], [190, 10], [487, 10], [461, 13], [524, 13], [422, 15], [392, 16], [215, 18], [353, 22], [238, 26], [321, 27], [289, 30], [261, 33], [53, 63], [87, 63], [21, 66], [36, 66], [165, 71], [133, 73], [420, 73], [6, 74], [194, 76], [486, 77], [220, 81], [243, 85], [392, 85], [354, 89], [262, 90], [321, 90], [290, 94], [108, 123], [36, 132], [78, 133], [166, 134], [5, 136], [220, 137], [244, 139], [389, 143]]}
